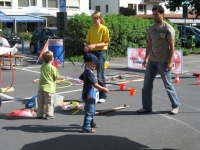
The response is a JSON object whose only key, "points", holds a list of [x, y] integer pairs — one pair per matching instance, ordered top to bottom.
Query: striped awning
{"points": [[9, 18]]}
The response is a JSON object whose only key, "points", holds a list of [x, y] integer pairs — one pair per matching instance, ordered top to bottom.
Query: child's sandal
{"points": [[94, 125], [92, 130]]}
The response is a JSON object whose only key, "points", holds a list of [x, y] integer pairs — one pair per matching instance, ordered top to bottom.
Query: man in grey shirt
{"points": [[159, 58]]}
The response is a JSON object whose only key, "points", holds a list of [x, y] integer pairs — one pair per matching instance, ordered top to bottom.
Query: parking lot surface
{"points": [[119, 130]]}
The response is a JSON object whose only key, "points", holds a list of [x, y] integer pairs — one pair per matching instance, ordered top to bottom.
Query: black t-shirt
{"points": [[89, 80]]}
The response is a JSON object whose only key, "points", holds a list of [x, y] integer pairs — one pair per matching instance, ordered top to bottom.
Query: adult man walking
{"points": [[159, 58]]}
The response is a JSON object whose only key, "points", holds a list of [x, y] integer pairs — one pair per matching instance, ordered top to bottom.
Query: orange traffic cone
{"points": [[177, 80], [198, 81]]}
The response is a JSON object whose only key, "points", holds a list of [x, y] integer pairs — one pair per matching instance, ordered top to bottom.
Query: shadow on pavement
{"points": [[84, 141]]}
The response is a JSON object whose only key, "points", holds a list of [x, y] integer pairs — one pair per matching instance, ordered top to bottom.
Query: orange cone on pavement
{"points": [[177, 80], [198, 82]]}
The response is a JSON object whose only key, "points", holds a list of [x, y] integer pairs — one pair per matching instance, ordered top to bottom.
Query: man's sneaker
{"points": [[96, 100], [102, 100], [143, 111], [174, 111], [49, 117]]}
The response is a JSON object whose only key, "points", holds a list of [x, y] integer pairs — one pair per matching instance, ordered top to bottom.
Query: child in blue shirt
{"points": [[89, 93]]}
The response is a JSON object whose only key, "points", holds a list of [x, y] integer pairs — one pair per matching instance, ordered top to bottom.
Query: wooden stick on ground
{"points": [[7, 89], [111, 110]]}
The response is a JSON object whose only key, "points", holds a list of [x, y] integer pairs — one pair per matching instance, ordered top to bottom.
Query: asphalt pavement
{"points": [[120, 130]]}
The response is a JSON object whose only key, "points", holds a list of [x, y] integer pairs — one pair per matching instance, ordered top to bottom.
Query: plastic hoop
{"points": [[31, 103]]}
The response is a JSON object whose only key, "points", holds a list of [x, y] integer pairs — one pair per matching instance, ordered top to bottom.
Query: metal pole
{"points": [[63, 8], [15, 26], [184, 32], [23, 47], [38, 48], [63, 50]]}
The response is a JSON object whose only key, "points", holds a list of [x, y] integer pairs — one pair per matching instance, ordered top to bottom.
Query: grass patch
{"points": [[75, 58]]}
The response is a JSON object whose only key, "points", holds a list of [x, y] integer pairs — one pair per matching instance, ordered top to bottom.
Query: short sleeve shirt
{"points": [[98, 35], [4, 43], [160, 51], [48, 76], [89, 80]]}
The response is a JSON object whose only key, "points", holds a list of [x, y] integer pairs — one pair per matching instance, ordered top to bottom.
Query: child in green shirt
{"points": [[47, 87]]}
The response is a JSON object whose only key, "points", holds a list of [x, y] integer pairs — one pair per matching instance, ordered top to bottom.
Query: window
{"points": [[23, 3], [26, 3], [33, 3], [44, 3], [50, 3], [53, 3], [1, 4], [8, 4], [73, 4], [90, 4], [130, 6], [142, 7], [97, 8], [106, 8], [38, 33], [48, 33]]}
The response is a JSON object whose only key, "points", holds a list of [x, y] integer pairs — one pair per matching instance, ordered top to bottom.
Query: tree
{"points": [[193, 5], [127, 11], [124, 32]]}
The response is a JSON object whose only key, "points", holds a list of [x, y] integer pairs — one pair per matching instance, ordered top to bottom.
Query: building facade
{"points": [[140, 6], [142, 9], [38, 10]]}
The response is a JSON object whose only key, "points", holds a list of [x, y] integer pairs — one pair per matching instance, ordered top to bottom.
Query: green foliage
{"points": [[194, 5], [127, 11], [1, 25], [78, 26], [124, 32], [25, 36], [177, 39], [195, 51], [186, 52], [75, 58]]}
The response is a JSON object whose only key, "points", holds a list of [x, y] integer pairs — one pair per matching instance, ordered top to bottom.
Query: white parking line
{"points": [[190, 62], [118, 65], [30, 70], [6, 96], [181, 122]]}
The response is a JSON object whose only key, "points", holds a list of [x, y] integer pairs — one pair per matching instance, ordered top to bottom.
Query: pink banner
{"points": [[136, 59]]}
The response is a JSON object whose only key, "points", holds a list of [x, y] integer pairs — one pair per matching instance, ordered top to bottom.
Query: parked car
{"points": [[190, 30], [41, 35], [12, 38]]}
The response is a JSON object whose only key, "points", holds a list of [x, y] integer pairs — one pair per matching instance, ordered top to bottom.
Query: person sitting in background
{"points": [[4, 43]]}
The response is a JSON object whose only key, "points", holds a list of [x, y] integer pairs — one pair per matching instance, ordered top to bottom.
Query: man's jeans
{"points": [[101, 55], [151, 71], [90, 108]]}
